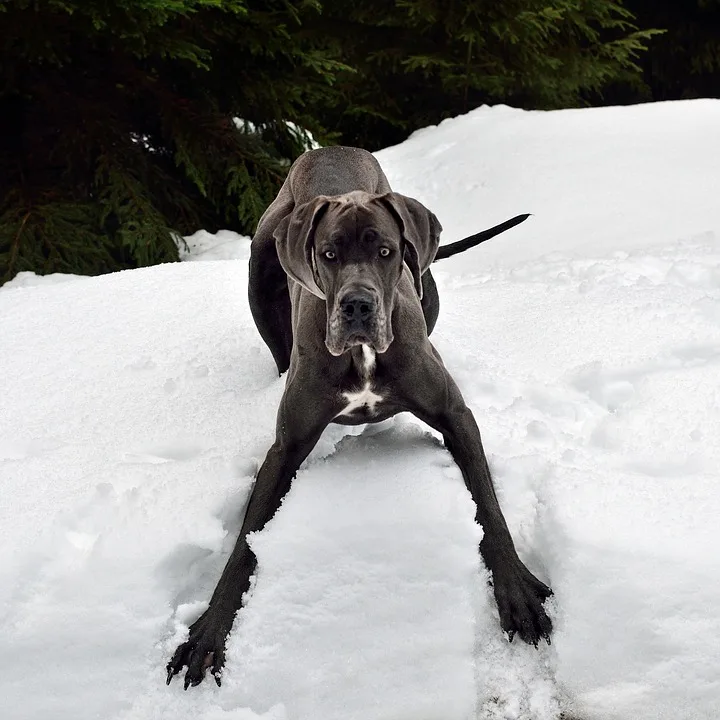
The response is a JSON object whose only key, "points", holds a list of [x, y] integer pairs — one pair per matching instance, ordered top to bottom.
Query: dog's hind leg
{"points": [[270, 300], [430, 301]]}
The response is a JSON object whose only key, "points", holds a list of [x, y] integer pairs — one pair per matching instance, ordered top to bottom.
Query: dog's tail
{"points": [[446, 251]]}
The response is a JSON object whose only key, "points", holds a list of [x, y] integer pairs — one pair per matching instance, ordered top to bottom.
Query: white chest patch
{"points": [[368, 360], [365, 397], [358, 399]]}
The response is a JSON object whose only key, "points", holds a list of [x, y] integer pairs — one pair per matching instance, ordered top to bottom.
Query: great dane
{"points": [[341, 292]]}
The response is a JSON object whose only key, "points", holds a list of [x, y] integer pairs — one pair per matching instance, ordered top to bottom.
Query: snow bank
{"points": [[135, 408]]}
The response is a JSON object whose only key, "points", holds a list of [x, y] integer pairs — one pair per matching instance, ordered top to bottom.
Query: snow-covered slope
{"points": [[135, 407]]}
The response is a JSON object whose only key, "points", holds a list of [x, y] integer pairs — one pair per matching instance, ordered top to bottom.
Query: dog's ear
{"points": [[420, 232], [294, 239]]}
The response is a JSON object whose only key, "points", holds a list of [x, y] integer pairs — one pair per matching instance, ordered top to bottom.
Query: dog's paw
{"points": [[520, 597], [203, 650]]}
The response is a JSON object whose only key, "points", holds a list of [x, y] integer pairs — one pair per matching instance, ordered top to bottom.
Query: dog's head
{"points": [[351, 250]]}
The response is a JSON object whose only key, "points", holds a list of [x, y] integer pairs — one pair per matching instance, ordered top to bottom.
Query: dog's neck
{"points": [[364, 360]]}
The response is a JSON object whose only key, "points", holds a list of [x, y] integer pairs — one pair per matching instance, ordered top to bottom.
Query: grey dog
{"points": [[341, 292]]}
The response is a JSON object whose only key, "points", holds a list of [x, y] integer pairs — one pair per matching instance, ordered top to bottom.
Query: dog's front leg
{"points": [[299, 425], [519, 594]]}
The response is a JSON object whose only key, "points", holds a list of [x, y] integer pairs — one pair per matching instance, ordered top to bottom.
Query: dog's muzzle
{"points": [[357, 310], [357, 318]]}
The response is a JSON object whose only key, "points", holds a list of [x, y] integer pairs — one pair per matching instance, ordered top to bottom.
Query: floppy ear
{"points": [[420, 232], [294, 238]]}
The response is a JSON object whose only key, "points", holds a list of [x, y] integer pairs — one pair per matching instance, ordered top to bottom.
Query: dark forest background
{"points": [[126, 123]]}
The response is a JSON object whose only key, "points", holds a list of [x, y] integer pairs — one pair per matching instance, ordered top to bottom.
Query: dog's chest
{"points": [[364, 399]]}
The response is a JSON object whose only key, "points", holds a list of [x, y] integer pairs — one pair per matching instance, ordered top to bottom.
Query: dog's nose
{"points": [[357, 306]]}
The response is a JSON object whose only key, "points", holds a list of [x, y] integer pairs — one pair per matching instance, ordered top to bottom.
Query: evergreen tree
{"points": [[419, 61], [683, 62], [117, 123], [126, 123]]}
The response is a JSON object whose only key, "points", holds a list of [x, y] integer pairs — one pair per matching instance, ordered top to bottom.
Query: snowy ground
{"points": [[135, 407]]}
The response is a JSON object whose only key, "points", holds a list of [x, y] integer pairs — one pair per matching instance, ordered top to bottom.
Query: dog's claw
{"points": [[520, 597], [203, 650], [191, 681]]}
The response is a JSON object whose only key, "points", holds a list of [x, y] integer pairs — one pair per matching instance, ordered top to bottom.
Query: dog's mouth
{"points": [[357, 317], [357, 338], [341, 339], [339, 346]]}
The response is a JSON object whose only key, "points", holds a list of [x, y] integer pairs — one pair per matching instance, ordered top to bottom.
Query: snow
{"points": [[31, 279], [135, 408]]}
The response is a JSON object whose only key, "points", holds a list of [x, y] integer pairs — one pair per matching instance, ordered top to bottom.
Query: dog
{"points": [[341, 292]]}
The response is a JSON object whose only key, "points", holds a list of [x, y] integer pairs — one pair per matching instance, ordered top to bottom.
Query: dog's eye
{"points": [[384, 252], [329, 255]]}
